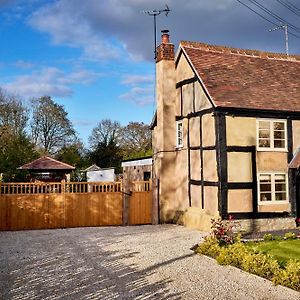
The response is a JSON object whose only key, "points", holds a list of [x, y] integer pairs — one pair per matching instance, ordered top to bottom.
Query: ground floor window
{"points": [[272, 187]]}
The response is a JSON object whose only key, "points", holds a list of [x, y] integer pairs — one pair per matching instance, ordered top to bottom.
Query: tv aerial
{"points": [[154, 13], [286, 33]]}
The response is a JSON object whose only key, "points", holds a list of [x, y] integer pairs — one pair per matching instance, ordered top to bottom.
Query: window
{"points": [[179, 134], [271, 134], [272, 187]]}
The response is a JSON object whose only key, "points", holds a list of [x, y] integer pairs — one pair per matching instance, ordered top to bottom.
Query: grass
{"points": [[282, 250]]}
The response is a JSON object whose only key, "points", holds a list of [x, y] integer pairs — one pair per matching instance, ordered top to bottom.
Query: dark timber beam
{"points": [[220, 124]]}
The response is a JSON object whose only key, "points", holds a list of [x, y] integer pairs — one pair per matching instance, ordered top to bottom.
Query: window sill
{"points": [[179, 148], [271, 150], [273, 202]]}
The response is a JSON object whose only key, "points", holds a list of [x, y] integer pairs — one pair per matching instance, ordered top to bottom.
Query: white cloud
{"points": [[69, 25], [118, 28], [23, 64], [137, 79], [49, 81], [141, 89], [140, 95]]}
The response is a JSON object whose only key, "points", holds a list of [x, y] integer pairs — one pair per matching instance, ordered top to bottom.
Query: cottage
{"points": [[225, 130]]}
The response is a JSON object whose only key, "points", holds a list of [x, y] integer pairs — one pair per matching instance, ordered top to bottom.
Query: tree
{"points": [[13, 113], [50, 127], [107, 131], [135, 140], [15, 147], [15, 151], [107, 155]]}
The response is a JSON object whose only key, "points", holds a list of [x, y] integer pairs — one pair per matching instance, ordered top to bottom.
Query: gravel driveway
{"points": [[142, 262]]}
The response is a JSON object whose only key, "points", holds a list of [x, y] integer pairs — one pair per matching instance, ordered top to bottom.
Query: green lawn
{"points": [[281, 250]]}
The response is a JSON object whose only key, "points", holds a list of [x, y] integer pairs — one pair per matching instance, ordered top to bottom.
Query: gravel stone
{"points": [[137, 262]]}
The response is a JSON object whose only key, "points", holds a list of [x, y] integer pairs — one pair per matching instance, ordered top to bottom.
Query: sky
{"points": [[95, 57]]}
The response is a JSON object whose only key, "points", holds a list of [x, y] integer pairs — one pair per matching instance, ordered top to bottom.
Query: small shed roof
{"points": [[46, 163], [92, 168]]}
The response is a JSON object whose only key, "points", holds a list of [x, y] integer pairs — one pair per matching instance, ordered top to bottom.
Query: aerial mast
{"points": [[154, 13], [285, 28]]}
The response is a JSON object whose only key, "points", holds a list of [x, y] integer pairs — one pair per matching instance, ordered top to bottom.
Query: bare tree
{"points": [[14, 114], [50, 127], [106, 131], [135, 139]]}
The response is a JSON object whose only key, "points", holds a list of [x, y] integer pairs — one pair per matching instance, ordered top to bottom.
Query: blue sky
{"points": [[96, 56]]}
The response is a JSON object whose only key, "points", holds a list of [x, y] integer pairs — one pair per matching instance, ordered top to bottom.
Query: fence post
{"points": [[63, 194], [125, 199]]}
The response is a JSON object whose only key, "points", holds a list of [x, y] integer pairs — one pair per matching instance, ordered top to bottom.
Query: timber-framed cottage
{"points": [[226, 128]]}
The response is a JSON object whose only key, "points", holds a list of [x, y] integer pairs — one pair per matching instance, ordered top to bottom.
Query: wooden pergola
{"points": [[48, 169]]}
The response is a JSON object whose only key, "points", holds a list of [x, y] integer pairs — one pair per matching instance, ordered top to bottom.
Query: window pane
{"points": [[264, 125], [278, 126], [179, 134], [264, 134], [279, 135], [264, 143], [279, 143], [279, 177], [265, 178], [265, 187], [280, 187], [265, 196], [280, 196]]}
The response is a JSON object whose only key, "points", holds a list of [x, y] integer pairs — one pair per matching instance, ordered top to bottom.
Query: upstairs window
{"points": [[179, 134], [271, 135], [272, 187]]}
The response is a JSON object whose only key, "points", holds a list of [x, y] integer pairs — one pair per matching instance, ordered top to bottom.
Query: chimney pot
{"points": [[165, 37], [165, 51]]}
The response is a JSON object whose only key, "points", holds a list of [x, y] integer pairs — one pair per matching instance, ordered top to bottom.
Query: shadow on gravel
{"points": [[70, 267]]}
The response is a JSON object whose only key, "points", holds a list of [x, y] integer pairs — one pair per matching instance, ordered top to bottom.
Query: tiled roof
{"points": [[247, 78], [46, 163], [92, 168]]}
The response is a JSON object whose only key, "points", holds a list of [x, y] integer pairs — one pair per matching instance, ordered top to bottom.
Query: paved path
{"points": [[142, 262]]}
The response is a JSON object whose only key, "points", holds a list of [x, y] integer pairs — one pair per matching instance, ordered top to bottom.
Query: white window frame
{"points": [[179, 144], [271, 148], [273, 201]]}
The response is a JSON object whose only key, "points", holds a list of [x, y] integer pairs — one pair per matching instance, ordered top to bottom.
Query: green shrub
{"points": [[290, 236], [268, 237], [277, 238], [209, 247], [233, 255], [260, 264], [289, 276]]}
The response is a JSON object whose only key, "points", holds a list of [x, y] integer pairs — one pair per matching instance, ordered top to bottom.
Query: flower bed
{"points": [[227, 249]]}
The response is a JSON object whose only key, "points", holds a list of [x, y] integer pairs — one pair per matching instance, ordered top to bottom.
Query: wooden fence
{"points": [[140, 203], [71, 204]]}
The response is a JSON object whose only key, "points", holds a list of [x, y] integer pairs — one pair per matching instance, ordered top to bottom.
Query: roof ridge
{"points": [[240, 51], [49, 158], [53, 159]]}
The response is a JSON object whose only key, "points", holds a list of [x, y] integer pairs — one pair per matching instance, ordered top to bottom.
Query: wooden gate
{"points": [[140, 203], [60, 205]]}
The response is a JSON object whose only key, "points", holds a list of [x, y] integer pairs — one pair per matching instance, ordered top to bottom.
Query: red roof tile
{"points": [[247, 78], [46, 163]]}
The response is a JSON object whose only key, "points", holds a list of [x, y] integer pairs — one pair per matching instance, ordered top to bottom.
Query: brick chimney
{"points": [[165, 51], [164, 134]]}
